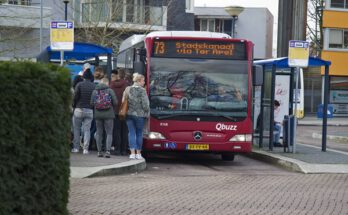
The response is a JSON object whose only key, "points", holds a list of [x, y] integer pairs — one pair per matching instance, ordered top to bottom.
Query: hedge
{"points": [[34, 143]]}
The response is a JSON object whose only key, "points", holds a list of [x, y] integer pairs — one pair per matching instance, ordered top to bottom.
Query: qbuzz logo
{"points": [[222, 127], [197, 135]]}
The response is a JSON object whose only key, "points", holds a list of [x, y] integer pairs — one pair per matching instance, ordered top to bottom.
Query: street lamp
{"points": [[66, 9], [234, 11]]}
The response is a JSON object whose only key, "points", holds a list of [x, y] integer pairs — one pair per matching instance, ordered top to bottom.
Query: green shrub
{"points": [[34, 144]]}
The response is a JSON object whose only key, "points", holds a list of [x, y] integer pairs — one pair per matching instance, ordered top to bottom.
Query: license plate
{"points": [[197, 147]]}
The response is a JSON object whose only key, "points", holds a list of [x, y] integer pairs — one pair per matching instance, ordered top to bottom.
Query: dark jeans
{"points": [[120, 136]]}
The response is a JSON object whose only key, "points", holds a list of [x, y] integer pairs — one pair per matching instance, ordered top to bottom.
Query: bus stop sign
{"points": [[62, 36], [298, 53]]}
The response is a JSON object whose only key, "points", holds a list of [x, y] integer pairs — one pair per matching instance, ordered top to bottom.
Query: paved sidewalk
{"points": [[309, 158], [83, 166]]}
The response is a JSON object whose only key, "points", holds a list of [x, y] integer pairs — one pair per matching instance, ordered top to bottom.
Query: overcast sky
{"points": [[272, 6]]}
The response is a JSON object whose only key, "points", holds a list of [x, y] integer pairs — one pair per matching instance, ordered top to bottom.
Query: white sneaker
{"points": [[74, 150], [85, 152], [132, 156], [139, 157]]}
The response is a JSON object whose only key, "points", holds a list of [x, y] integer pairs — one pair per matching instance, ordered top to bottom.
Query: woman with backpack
{"points": [[104, 101], [138, 111]]}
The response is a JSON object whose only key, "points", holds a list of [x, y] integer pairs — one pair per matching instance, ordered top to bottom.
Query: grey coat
{"points": [[104, 114]]}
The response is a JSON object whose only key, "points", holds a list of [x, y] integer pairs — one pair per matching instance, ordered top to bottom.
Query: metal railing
{"points": [[16, 2]]}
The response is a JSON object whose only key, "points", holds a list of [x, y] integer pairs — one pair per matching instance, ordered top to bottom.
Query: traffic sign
{"points": [[62, 36], [298, 53]]}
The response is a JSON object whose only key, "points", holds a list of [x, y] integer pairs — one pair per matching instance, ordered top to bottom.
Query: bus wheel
{"points": [[227, 156]]}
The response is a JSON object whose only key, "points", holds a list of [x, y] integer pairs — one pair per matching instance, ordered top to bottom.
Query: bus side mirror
{"points": [[139, 67], [257, 75]]}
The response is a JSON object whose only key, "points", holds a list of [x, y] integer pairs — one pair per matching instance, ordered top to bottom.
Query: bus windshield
{"points": [[205, 88]]}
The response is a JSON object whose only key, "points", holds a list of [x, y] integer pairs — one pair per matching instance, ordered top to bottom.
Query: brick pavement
{"points": [[216, 193]]}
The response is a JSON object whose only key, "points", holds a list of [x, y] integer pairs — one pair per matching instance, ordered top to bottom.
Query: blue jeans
{"points": [[82, 118], [135, 131], [276, 133]]}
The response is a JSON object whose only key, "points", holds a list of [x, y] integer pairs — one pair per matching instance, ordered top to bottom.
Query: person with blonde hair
{"points": [[104, 101], [138, 111]]}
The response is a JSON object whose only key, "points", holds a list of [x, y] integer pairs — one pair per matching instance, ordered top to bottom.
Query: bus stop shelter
{"points": [[81, 52], [266, 117]]}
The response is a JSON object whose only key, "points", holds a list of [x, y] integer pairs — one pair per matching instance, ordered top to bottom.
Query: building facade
{"points": [[216, 19], [103, 22], [20, 24], [335, 27]]}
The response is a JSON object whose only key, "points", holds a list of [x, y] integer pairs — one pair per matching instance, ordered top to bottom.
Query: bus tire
{"points": [[227, 156]]}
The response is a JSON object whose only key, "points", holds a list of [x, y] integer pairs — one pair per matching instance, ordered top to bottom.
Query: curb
{"points": [[321, 124], [330, 137], [287, 163], [297, 165], [132, 166]]}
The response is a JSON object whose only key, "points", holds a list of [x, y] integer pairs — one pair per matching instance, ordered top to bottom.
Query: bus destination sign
{"points": [[199, 49]]}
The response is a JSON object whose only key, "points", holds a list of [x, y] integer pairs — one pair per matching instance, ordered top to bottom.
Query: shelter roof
{"points": [[283, 62]]}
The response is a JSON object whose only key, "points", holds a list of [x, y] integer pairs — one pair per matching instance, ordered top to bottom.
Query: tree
{"points": [[109, 22], [315, 26]]}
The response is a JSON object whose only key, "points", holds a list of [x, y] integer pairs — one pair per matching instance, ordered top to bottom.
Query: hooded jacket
{"points": [[118, 87], [104, 114]]}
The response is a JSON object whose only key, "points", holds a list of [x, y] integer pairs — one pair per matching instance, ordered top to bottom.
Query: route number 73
{"points": [[159, 47]]}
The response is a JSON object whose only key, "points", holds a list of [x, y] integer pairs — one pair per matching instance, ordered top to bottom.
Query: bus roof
{"points": [[188, 34], [137, 38], [130, 41]]}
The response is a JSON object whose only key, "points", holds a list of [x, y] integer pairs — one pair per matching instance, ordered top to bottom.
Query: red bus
{"points": [[200, 90]]}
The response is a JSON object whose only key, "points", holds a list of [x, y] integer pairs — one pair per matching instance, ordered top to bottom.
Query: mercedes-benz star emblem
{"points": [[197, 135]]}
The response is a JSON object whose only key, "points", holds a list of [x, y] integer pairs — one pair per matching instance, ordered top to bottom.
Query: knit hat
{"points": [[86, 66], [87, 74]]}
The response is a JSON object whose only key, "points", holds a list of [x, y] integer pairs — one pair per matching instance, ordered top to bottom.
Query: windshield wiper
{"points": [[174, 115], [234, 119]]}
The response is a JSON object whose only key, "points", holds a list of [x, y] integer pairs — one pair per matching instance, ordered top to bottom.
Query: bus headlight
{"points": [[156, 135], [241, 138]]}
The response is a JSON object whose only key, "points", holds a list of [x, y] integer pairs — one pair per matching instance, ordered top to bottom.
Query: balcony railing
{"points": [[16, 2], [121, 13]]}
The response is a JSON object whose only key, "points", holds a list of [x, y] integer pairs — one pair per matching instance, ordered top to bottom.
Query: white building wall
{"points": [[256, 24]]}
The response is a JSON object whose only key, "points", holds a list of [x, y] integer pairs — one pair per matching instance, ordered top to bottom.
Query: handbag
{"points": [[123, 109]]}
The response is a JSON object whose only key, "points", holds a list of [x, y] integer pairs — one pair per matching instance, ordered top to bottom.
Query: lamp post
{"points": [[66, 2], [234, 11], [66, 19]]}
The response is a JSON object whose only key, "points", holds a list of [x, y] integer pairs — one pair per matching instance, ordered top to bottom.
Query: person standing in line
{"points": [[99, 74], [78, 78], [104, 101], [138, 111], [83, 112], [120, 142]]}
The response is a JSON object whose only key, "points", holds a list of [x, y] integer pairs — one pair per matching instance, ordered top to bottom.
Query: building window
{"points": [[17, 2], [339, 3], [189, 6], [94, 12], [207, 25], [338, 38]]}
